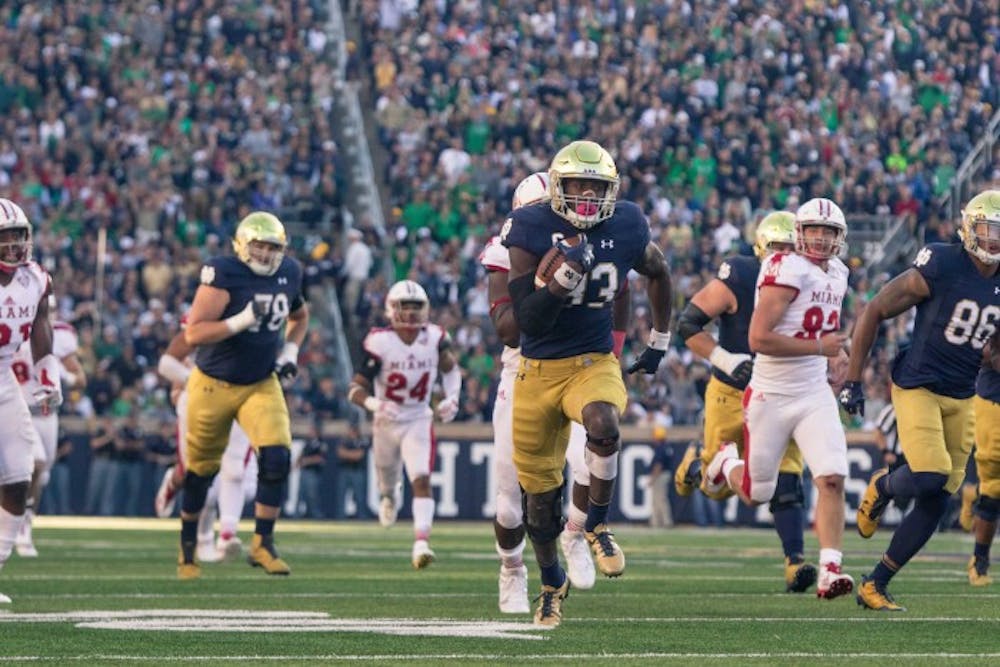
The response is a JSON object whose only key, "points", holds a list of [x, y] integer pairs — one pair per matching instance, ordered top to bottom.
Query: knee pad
{"points": [[604, 446], [273, 464], [602, 466], [928, 483], [195, 491], [761, 492], [788, 493], [988, 509], [543, 515]]}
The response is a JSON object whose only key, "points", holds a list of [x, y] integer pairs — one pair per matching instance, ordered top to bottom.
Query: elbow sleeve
{"points": [[536, 309], [692, 321]]}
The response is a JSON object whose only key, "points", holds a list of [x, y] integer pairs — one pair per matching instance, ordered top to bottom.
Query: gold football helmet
{"points": [[584, 161], [981, 226], [776, 227], [260, 242]]}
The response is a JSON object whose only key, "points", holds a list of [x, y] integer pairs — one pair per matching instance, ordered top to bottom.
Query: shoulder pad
{"points": [[494, 256]]}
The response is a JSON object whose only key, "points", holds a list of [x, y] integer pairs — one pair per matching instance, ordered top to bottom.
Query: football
{"points": [[551, 261]]}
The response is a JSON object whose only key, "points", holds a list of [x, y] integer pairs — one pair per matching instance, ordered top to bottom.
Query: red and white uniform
{"points": [[495, 257], [18, 306], [64, 343], [406, 377], [788, 397]]}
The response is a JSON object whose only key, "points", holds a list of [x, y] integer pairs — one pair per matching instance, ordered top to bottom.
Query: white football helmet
{"points": [[532, 189], [824, 213], [15, 237], [406, 306]]}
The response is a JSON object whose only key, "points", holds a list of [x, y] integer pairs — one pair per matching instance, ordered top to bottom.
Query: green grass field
{"points": [[105, 593]]}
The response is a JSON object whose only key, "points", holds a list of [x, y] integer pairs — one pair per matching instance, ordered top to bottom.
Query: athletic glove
{"points": [[287, 364], [852, 398]]}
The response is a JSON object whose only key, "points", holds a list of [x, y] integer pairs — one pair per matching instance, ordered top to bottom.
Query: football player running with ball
{"points": [[954, 287], [730, 298], [247, 322], [794, 331], [568, 371], [394, 382]]}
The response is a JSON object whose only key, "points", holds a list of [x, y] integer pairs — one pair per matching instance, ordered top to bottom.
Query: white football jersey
{"points": [[495, 257], [18, 305], [814, 311], [64, 343], [408, 372]]}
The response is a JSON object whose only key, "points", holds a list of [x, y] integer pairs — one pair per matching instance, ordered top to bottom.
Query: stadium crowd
{"points": [[164, 123]]}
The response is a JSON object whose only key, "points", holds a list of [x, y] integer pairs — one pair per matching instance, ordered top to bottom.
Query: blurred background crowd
{"points": [[163, 123]]}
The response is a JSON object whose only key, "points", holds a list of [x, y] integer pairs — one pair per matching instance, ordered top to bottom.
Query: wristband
{"points": [[567, 277], [499, 302], [242, 320], [659, 340], [290, 352]]}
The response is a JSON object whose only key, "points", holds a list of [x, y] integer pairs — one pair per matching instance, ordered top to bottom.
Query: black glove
{"points": [[581, 254], [648, 361], [286, 365], [743, 372], [852, 398]]}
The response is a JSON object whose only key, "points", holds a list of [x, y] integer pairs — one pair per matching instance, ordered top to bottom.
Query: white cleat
{"points": [[715, 480], [166, 496], [387, 511], [23, 544], [229, 548], [206, 551], [422, 554], [579, 563], [832, 582], [514, 590], [4, 599]]}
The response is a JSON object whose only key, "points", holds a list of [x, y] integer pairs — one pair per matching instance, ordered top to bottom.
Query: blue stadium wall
{"points": [[464, 486]]}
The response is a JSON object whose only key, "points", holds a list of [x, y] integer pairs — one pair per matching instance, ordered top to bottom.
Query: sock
{"points": [[727, 467], [231, 503], [596, 515], [423, 516], [577, 518], [206, 523], [10, 524], [788, 524], [264, 528], [914, 530], [189, 538], [982, 552], [830, 556], [511, 558], [884, 571], [553, 575]]}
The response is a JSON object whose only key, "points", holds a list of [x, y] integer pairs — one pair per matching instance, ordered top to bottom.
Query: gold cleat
{"points": [[685, 481], [872, 505], [965, 515], [607, 553], [265, 556], [187, 570], [799, 576], [978, 576], [872, 596], [549, 612]]}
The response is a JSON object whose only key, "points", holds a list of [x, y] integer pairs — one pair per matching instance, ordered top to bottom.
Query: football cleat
{"points": [[687, 477], [714, 479], [166, 495], [872, 505], [387, 511], [965, 515], [23, 543], [229, 547], [207, 553], [422, 554], [266, 556], [609, 556], [579, 563], [187, 569], [979, 572], [799, 576], [833, 583], [514, 590], [872, 596], [4, 599], [549, 612]]}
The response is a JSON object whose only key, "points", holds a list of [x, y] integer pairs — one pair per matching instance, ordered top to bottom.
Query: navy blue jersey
{"points": [[739, 274], [584, 323], [951, 326], [249, 356], [988, 384]]}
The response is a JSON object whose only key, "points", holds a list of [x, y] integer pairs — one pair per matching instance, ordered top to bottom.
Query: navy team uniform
{"points": [[572, 365], [234, 378], [933, 381], [724, 395]]}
